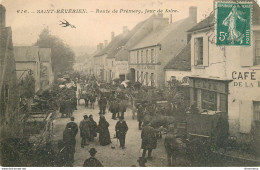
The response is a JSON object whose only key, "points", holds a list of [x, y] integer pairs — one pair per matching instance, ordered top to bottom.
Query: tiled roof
{"points": [[206, 23], [138, 33], [155, 37], [118, 43], [26, 53], [45, 54], [182, 61]]}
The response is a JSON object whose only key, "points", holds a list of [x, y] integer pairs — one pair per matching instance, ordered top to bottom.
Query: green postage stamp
{"points": [[233, 26]]}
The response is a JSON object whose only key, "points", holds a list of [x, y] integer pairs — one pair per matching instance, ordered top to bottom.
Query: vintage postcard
{"points": [[129, 83]]}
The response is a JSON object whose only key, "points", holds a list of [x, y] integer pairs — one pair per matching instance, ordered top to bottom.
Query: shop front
{"points": [[209, 94]]}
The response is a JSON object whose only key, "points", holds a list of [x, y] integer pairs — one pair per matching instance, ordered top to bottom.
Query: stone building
{"points": [[151, 54], [28, 62], [226, 78], [10, 118]]}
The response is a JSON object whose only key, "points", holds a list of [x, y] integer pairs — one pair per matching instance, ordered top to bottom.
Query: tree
{"points": [[62, 56]]}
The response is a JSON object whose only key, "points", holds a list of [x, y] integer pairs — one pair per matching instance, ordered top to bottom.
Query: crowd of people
{"points": [[116, 103]]}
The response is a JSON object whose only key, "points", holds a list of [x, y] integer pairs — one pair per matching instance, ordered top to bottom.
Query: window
{"points": [[257, 48], [198, 51], [152, 55], [137, 56], [142, 56], [146, 57], [112, 63], [137, 75], [142, 77], [146, 79], [152, 79], [208, 100], [256, 105]]}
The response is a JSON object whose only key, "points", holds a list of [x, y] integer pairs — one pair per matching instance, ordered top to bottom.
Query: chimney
{"points": [[193, 13], [2, 16], [170, 19], [160, 22], [125, 29], [112, 35], [105, 43], [101, 46]]}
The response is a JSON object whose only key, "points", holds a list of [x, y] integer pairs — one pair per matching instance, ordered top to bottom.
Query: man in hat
{"points": [[73, 126], [121, 129], [84, 130], [149, 139], [69, 144], [92, 161]]}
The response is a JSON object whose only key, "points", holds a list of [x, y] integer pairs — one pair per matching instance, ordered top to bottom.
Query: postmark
{"points": [[234, 22]]}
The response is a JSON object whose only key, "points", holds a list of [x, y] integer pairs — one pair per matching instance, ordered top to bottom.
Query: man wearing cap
{"points": [[73, 126], [121, 129], [84, 130], [149, 140], [69, 144], [92, 161]]}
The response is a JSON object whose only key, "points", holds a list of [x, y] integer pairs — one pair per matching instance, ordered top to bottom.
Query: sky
{"points": [[91, 27]]}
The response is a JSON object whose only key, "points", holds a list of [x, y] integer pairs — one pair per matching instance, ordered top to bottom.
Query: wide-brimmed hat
{"points": [[92, 151]]}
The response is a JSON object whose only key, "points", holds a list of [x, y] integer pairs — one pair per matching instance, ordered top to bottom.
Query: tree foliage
{"points": [[62, 56], [28, 86]]}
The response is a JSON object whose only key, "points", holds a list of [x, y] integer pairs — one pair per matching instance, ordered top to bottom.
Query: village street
{"points": [[111, 157]]}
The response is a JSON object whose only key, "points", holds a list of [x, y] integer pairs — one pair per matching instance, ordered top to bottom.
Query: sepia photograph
{"points": [[129, 83]]}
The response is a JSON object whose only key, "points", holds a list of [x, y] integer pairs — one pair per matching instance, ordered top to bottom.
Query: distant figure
{"points": [[86, 98], [92, 100], [102, 103], [113, 108], [140, 115], [93, 128], [84, 130], [121, 130], [104, 135], [149, 139], [171, 145], [92, 161]]}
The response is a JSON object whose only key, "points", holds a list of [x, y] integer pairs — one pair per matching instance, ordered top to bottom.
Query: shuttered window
{"points": [[198, 51], [257, 52], [138, 57], [257, 110]]}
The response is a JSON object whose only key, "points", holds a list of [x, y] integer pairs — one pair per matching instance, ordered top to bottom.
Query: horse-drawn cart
{"points": [[203, 134]]}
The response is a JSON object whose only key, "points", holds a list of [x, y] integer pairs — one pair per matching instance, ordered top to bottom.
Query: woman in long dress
{"points": [[231, 22], [104, 135]]}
